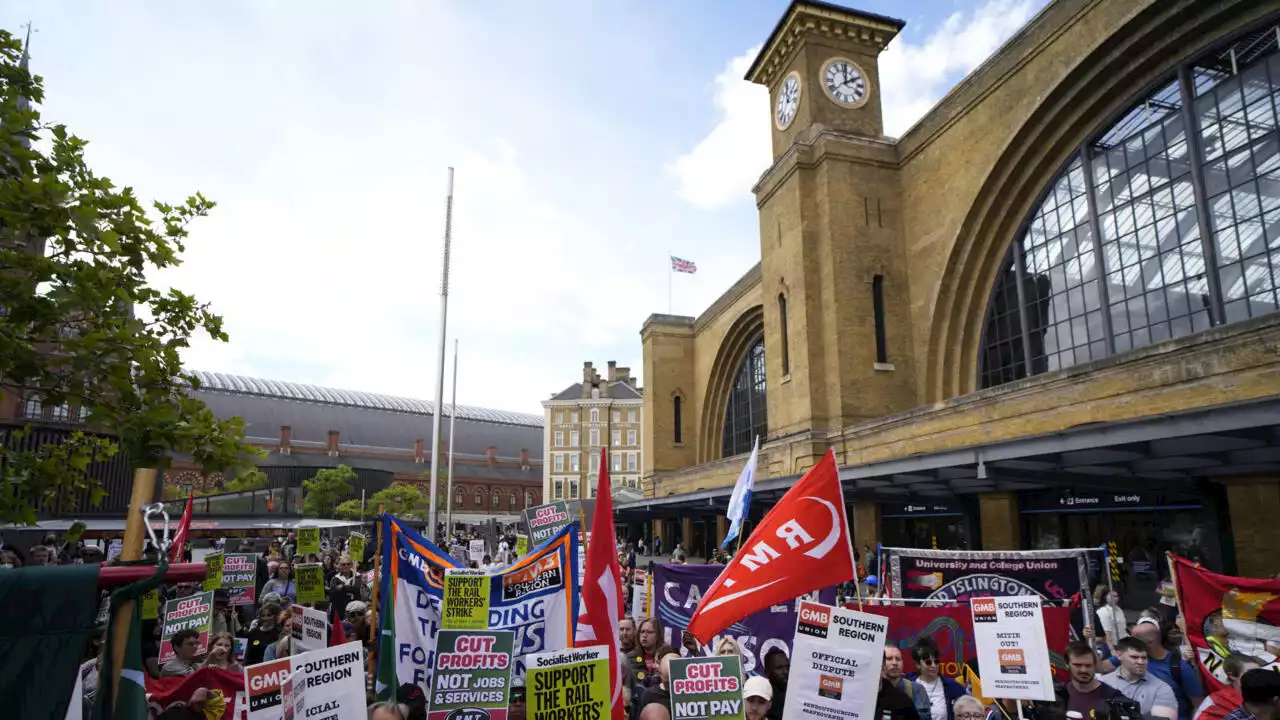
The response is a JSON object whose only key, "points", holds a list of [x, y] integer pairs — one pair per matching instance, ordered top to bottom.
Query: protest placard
{"points": [[545, 521], [308, 540], [355, 547], [522, 547], [476, 551], [213, 571], [239, 578], [309, 579], [640, 594], [466, 600], [151, 604], [194, 612], [310, 628], [1009, 635], [835, 663], [472, 676], [332, 681], [569, 683], [263, 684], [706, 687], [287, 690], [298, 698]]}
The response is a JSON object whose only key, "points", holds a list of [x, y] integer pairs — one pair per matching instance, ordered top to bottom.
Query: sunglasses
{"points": [[517, 694]]}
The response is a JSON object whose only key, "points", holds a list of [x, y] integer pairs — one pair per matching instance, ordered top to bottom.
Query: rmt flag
{"points": [[802, 545]]}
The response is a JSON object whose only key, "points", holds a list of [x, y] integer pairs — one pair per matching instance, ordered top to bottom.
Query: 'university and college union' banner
{"points": [[957, 575], [679, 588], [536, 598], [1226, 614]]}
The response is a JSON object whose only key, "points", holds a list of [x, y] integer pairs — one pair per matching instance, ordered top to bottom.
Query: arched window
{"points": [[1145, 236], [595, 415], [744, 415], [458, 498], [479, 498], [497, 499], [528, 499], [511, 501]]}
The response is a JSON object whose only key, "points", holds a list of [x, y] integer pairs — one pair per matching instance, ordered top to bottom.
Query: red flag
{"points": [[180, 537], [802, 545], [602, 587], [1227, 614], [339, 634], [221, 687]]}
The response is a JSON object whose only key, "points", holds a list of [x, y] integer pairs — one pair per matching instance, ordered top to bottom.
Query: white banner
{"points": [[475, 550], [640, 595], [310, 629], [1012, 651], [835, 663], [329, 684]]}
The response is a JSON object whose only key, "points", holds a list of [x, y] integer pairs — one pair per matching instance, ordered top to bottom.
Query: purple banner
{"points": [[677, 589]]}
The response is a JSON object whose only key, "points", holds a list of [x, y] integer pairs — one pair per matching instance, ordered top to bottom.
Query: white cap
{"points": [[757, 686]]}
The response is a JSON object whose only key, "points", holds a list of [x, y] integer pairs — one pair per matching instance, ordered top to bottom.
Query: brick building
{"points": [[1045, 316], [585, 417]]}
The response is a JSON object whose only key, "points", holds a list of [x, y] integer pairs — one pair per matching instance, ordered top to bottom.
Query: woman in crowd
{"points": [[282, 582], [345, 587], [262, 633], [283, 647], [222, 653]]}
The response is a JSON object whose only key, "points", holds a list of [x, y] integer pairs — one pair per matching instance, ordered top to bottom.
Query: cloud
{"points": [[914, 77], [723, 166], [720, 169]]}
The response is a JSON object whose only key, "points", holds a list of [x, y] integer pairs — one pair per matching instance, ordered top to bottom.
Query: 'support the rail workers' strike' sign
{"points": [[544, 521], [466, 600], [1012, 651], [835, 663], [472, 677], [569, 684], [706, 687]]}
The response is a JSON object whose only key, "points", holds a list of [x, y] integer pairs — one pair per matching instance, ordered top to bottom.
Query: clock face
{"points": [[844, 82], [788, 101]]}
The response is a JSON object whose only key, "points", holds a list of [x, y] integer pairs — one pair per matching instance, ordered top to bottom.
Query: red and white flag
{"points": [[179, 545], [802, 545], [602, 588]]}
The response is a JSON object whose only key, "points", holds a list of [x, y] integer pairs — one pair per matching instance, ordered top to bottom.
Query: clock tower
{"points": [[821, 65], [832, 262]]}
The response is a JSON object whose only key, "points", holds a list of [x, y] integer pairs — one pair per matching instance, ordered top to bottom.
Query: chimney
{"points": [[613, 371], [587, 372], [624, 374], [632, 382], [286, 434], [332, 445], [492, 454], [418, 455], [524, 458]]}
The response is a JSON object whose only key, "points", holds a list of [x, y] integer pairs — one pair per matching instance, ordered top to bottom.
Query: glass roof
{"points": [[225, 382]]}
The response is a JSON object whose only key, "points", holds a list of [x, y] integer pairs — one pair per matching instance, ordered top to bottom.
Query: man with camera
{"points": [[1088, 695], [1153, 695]]}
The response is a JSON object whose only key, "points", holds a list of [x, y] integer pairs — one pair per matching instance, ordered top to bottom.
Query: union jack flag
{"points": [[682, 265]]}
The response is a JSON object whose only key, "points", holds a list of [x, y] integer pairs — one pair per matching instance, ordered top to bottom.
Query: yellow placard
{"points": [[308, 541], [522, 546], [355, 547], [213, 571], [309, 578], [466, 600], [151, 605]]}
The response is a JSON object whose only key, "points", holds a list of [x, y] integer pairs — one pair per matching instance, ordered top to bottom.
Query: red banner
{"points": [[1226, 614], [952, 629], [221, 686]]}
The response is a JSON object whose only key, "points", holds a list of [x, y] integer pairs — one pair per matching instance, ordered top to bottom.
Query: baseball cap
{"points": [[872, 580], [357, 606], [1260, 685], [757, 687], [411, 695]]}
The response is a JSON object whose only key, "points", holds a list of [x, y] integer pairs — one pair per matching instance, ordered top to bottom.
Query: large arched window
{"points": [[1187, 227], [744, 416]]}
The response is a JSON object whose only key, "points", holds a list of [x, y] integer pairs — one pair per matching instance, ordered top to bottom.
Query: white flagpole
{"points": [[670, 274], [444, 318], [453, 415]]}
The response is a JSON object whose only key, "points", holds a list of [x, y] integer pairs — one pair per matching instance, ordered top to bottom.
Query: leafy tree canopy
{"points": [[80, 325], [321, 494]]}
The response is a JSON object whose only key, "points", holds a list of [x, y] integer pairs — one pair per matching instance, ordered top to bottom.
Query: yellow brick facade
{"points": [[932, 214]]}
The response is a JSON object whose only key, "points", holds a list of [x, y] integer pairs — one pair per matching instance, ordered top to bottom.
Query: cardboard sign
{"points": [[544, 521], [308, 541], [355, 547], [522, 547], [476, 551], [213, 571], [239, 578], [309, 579], [639, 594], [466, 600], [151, 605], [194, 612], [310, 628], [1009, 635], [835, 663], [472, 677], [332, 682], [263, 683], [569, 683], [707, 687]]}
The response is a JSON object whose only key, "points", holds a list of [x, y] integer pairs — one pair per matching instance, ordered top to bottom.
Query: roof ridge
{"points": [[246, 385]]}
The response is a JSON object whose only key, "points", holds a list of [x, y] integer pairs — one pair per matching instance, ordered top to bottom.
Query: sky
{"points": [[591, 139]]}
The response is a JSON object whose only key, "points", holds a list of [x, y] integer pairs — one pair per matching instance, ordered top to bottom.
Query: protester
{"points": [[282, 583], [345, 587], [1112, 618], [262, 633], [627, 635], [186, 645], [222, 653], [1168, 666], [777, 670], [891, 671], [942, 691], [1260, 692], [658, 693], [757, 695], [1153, 695], [413, 701], [1223, 702], [967, 707], [516, 708], [387, 711]]}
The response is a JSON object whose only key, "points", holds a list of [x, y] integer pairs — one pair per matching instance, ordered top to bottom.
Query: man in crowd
{"points": [[627, 635], [186, 645], [1168, 665], [777, 668], [891, 673], [1260, 690], [942, 691], [1086, 694], [757, 695], [1153, 695], [1221, 703]]}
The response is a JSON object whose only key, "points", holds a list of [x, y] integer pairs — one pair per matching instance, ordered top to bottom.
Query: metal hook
{"points": [[150, 511]]}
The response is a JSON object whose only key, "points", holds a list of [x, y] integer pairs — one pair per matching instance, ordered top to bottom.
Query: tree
{"points": [[81, 326], [253, 479], [320, 494], [399, 500], [348, 510]]}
